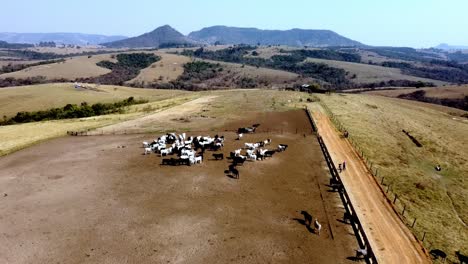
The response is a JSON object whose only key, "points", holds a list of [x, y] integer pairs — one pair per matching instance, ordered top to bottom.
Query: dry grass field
{"points": [[72, 68], [169, 68], [372, 73], [452, 92], [44, 96], [15, 137], [437, 199]]}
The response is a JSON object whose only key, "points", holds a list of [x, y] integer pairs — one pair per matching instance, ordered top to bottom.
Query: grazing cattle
{"points": [[239, 136], [265, 142], [145, 144], [282, 147], [148, 151], [237, 152], [269, 153], [218, 156], [252, 156], [199, 159], [239, 160], [234, 171], [307, 218], [317, 226], [361, 253], [437, 253], [462, 258]]}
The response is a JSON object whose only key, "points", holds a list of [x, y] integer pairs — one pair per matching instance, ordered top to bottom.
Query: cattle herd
{"points": [[190, 150]]}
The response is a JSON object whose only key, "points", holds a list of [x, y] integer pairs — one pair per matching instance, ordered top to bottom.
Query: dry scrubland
{"points": [[72, 68], [169, 68], [372, 73], [452, 92], [437, 199]]}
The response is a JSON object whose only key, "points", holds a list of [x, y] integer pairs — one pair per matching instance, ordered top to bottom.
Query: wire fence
{"points": [[400, 207]]}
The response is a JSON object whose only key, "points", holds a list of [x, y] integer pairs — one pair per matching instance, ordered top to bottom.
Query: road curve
{"points": [[390, 239]]}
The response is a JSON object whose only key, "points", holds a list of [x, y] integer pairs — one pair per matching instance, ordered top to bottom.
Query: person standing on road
{"points": [[344, 165]]}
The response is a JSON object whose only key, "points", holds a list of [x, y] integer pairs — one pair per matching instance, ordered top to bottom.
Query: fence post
{"points": [[381, 183], [388, 188], [394, 200], [403, 213], [414, 222], [424, 236]]}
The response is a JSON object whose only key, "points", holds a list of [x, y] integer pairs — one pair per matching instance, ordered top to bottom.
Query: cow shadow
{"points": [[303, 222], [355, 259]]}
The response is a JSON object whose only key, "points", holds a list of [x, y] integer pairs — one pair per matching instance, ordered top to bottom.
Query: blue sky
{"points": [[415, 23]]}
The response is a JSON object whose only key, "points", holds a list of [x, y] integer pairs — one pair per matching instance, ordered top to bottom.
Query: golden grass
{"points": [[72, 68], [169, 68], [372, 73], [437, 92], [41, 97], [20, 136], [437, 199]]}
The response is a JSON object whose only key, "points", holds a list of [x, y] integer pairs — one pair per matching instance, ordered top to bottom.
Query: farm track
{"points": [[391, 240]]}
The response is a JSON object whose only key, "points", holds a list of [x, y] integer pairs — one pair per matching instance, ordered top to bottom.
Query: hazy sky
{"points": [[415, 23]]}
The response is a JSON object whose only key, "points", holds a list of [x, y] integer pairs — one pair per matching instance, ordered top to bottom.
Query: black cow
{"points": [[218, 156]]}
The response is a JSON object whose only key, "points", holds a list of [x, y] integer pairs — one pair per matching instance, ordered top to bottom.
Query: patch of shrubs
{"points": [[328, 54], [128, 66], [200, 71], [449, 71], [9, 82], [396, 83], [71, 111]]}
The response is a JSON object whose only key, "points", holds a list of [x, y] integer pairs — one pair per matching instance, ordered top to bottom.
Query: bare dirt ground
{"points": [[88, 200], [390, 239]]}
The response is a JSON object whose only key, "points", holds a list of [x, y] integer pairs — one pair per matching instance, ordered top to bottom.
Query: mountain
{"points": [[162, 36], [253, 36], [59, 38], [445, 46]]}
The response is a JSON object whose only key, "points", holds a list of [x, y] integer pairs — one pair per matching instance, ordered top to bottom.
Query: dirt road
{"points": [[390, 239]]}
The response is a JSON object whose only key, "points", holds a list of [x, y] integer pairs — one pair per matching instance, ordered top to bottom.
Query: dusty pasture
{"points": [[72, 68], [169, 68], [366, 73], [87, 199]]}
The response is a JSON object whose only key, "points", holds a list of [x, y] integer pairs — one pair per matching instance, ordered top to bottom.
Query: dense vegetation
{"points": [[6, 45], [328, 54], [408, 54], [458, 56], [292, 63], [128, 66], [18, 67], [199, 71], [448, 71], [9, 82], [396, 83], [450, 102], [71, 111]]}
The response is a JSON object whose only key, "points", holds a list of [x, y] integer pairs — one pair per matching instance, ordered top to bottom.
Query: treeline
{"points": [[6, 45], [402, 53], [327, 54], [292, 63], [128, 66], [18, 67], [449, 71], [9, 81], [395, 83], [420, 95], [71, 111]]}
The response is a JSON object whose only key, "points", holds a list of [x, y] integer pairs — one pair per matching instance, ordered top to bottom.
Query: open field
{"points": [[72, 68], [169, 68], [372, 73], [452, 92], [45, 96], [15, 137], [84, 199], [437, 199]]}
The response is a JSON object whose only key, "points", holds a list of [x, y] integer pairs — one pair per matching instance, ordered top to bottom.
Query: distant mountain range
{"points": [[165, 35], [161, 36], [254, 36], [59, 38], [444, 46]]}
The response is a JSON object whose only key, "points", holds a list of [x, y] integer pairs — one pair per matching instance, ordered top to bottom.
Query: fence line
{"points": [[393, 198], [361, 236]]}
